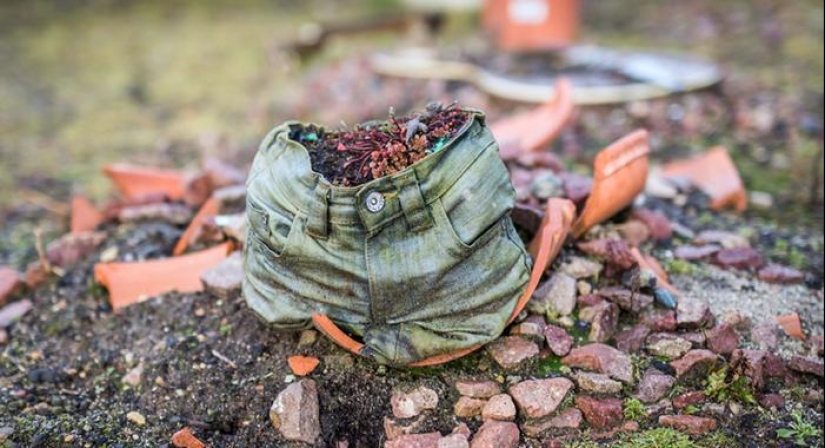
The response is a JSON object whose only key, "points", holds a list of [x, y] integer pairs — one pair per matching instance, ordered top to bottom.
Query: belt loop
{"points": [[412, 202], [318, 213]]}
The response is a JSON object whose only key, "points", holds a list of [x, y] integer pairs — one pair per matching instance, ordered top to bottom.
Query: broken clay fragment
{"points": [[535, 129], [714, 173], [619, 175], [135, 181], [209, 210], [85, 217], [128, 283], [792, 325], [302, 365], [185, 439]]}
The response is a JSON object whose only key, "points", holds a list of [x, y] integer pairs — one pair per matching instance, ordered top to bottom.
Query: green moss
{"points": [[680, 267], [549, 366], [634, 410], [657, 438]]}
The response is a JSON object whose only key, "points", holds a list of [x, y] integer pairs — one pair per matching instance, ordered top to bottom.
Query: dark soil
{"points": [[380, 148]]}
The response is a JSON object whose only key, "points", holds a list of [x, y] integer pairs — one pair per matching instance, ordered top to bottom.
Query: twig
{"points": [[41, 253], [223, 358]]}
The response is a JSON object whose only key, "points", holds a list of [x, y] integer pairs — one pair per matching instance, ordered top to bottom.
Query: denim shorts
{"points": [[417, 264]]}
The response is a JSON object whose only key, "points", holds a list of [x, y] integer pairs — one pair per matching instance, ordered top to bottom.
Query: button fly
{"points": [[375, 202]]}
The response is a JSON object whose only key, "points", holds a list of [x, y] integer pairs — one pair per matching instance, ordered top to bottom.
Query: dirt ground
{"points": [[70, 101]]}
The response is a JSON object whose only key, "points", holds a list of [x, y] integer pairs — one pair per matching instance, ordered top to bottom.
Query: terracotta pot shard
{"points": [[533, 130], [714, 173], [619, 175], [135, 181], [208, 211], [85, 217], [129, 283], [792, 326]]}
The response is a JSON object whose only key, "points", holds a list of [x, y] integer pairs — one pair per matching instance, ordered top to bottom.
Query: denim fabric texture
{"points": [[417, 264]]}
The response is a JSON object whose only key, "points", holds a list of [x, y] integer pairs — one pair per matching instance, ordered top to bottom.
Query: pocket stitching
{"points": [[462, 247]]}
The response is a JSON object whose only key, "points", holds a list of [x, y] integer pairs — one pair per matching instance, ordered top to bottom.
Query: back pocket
{"points": [[271, 228]]}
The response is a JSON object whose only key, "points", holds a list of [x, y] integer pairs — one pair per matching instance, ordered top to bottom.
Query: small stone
{"points": [[547, 185], [577, 188], [657, 223], [635, 233], [727, 240], [73, 248], [615, 252], [696, 253], [743, 258], [580, 268], [781, 275], [224, 280], [9, 283], [584, 288], [555, 297], [626, 299], [12, 312], [693, 313], [659, 320], [737, 320], [603, 321], [527, 329], [766, 334], [307, 338], [723, 339], [632, 340], [559, 341], [667, 347], [510, 351], [602, 358], [696, 363], [752, 364], [811, 366], [133, 377], [597, 383], [655, 386], [478, 389], [540, 398], [694, 398], [772, 402], [408, 405], [467, 407], [500, 407], [295, 412], [601, 414], [136, 418], [570, 419], [695, 426], [395, 429], [496, 434], [185, 439], [429, 440], [454, 441]]}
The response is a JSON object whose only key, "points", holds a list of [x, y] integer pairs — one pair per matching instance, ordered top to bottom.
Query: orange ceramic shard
{"points": [[530, 25], [533, 130], [714, 173], [619, 175], [135, 181], [208, 211], [85, 217], [545, 247], [647, 262], [130, 282], [326, 326], [792, 326], [302, 365], [185, 439]]}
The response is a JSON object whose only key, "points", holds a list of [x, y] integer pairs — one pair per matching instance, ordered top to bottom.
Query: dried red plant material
{"points": [[379, 149]]}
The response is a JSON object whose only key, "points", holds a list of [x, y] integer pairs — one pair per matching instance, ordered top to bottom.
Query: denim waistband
{"points": [[405, 193]]}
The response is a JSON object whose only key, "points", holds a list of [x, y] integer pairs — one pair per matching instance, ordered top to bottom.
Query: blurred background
{"points": [[89, 82]]}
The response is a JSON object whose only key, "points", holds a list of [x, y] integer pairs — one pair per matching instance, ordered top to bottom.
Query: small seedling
{"points": [[724, 386], [634, 410], [800, 431]]}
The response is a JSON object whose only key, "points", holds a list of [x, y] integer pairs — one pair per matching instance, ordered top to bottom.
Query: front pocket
{"points": [[270, 228], [477, 232]]}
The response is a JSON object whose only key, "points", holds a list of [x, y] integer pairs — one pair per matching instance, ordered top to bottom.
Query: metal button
{"points": [[375, 202]]}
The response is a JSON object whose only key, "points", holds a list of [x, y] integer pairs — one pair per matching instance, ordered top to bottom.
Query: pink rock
{"points": [[577, 188], [658, 224], [634, 233], [727, 240], [72, 248], [615, 252], [696, 253], [739, 258], [581, 268], [781, 275], [224, 280], [9, 283], [557, 295], [626, 299], [589, 300], [12, 312], [693, 313], [603, 320], [659, 320], [527, 329], [766, 334], [723, 339], [632, 340], [559, 341], [667, 346], [510, 351], [602, 358], [695, 363], [752, 364], [811, 366], [597, 383], [655, 386], [478, 389], [540, 398], [694, 398], [772, 401], [408, 405], [467, 407], [500, 407], [295, 412], [601, 414], [569, 419], [689, 424], [395, 429], [495, 434], [429, 440], [454, 441]]}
